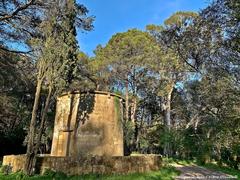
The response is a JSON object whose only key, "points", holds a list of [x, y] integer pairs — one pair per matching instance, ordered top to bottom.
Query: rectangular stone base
{"points": [[89, 164]]}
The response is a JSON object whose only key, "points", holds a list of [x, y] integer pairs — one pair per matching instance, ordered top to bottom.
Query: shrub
{"points": [[6, 169], [49, 172], [54, 174]]}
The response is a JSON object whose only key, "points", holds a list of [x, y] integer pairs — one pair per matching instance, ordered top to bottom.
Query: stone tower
{"points": [[88, 123]]}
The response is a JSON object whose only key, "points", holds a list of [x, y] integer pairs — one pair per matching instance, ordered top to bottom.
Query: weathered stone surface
{"points": [[88, 123], [15, 161], [89, 164]]}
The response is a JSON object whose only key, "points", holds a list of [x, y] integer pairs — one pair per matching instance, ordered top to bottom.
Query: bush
{"points": [[6, 169], [49, 172], [54, 174], [20, 175], [60, 175]]}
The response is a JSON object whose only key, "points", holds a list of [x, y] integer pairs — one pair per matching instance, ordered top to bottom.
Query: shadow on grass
{"points": [[178, 161], [210, 166], [223, 169]]}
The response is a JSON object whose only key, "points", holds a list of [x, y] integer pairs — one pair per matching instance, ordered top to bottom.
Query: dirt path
{"points": [[192, 172]]}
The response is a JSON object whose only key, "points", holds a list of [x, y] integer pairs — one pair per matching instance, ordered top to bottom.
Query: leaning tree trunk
{"points": [[42, 123], [30, 146]]}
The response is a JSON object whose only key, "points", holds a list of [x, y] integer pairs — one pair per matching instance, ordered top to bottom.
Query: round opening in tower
{"points": [[88, 123]]}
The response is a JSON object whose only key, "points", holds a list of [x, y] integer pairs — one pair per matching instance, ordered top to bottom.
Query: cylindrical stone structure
{"points": [[88, 123]]}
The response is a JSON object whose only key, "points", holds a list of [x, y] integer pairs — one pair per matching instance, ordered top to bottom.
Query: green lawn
{"points": [[165, 173]]}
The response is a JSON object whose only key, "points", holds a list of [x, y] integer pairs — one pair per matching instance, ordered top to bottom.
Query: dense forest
{"points": [[180, 79]]}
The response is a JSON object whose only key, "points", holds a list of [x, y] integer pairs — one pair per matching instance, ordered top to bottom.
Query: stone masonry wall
{"points": [[88, 123], [15, 161], [89, 164]]}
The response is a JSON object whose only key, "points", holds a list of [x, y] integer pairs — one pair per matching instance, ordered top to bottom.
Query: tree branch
{"points": [[17, 10], [14, 51]]}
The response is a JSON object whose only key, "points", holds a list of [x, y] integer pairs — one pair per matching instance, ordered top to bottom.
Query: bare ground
{"points": [[192, 172]]}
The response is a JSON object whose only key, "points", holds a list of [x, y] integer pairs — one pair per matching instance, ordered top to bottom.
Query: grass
{"points": [[167, 161], [165, 173]]}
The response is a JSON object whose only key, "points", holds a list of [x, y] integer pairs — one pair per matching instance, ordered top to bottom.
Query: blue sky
{"points": [[113, 16]]}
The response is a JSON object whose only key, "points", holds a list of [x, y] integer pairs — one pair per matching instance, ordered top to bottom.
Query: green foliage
{"points": [[179, 18], [19, 21], [126, 57], [59, 60], [16, 89], [206, 111], [128, 130], [160, 136], [6, 169], [49, 172], [54, 174], [20, 175]]}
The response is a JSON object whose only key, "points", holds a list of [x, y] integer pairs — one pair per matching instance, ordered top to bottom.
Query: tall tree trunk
{"points": [[126, 102], [134, 108], [167, 111], [43, 119], [133, 119], [167, 120], [42, 123], [139, 129], [136, 137], [30, 146]]}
